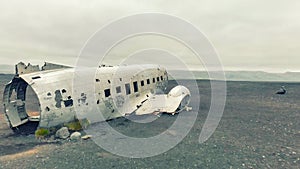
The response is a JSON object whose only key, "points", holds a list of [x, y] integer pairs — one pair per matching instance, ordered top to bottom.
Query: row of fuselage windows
{"points": [[107, 92]]}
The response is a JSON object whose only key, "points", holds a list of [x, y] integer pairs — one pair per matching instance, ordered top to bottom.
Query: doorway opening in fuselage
{"points": [[32, 105]]}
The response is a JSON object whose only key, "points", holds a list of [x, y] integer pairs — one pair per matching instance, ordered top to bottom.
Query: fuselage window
{"points": [[36, 77], [161, 78], [157, 79], [97, 80], [153, 80], [148, 81], [142, 83], [135, 86], [127, 88], [118, 89], [107, 92]]}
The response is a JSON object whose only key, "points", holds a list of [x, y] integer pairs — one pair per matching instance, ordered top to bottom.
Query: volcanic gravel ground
{"points": [[258, 130]]}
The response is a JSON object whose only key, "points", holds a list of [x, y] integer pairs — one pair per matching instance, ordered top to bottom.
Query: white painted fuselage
{"points": [[118, 90]]}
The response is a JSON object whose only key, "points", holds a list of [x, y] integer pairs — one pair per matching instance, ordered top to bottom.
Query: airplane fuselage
{"points": [[118, 90]]}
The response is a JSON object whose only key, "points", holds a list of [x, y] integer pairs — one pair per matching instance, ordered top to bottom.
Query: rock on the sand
{"points": [[62, 133], [75, 136]]}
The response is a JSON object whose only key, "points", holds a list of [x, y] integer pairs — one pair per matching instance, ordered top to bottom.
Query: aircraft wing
{"points": [[173, 102]]}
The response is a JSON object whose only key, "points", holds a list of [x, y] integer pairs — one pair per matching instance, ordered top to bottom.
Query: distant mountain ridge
{"points": [[241, 76], [262, 76]]}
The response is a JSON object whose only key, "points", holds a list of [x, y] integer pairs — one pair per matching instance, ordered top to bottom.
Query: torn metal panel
{"points": [[51, 66], [21, 68], [176, 101]]}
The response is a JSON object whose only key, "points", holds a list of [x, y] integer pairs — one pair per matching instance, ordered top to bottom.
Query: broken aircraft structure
{"points": [[46, 96]]}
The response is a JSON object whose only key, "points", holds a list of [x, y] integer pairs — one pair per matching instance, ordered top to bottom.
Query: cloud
{"points": [[255, 33]]}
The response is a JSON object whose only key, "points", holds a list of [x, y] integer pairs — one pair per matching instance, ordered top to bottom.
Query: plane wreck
{"points": [[46, 96]]}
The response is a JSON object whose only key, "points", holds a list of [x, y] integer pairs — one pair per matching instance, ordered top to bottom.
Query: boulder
{"points": [[62, 133], [75, 136]]}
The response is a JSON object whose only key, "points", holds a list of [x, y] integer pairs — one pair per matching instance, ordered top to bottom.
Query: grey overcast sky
{"points": [[248, 34]]}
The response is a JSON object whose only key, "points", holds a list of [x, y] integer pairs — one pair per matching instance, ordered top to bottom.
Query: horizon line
{"points": [[228, 69]]}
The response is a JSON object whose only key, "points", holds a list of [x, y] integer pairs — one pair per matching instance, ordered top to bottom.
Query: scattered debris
{"points": [[282, 91], [188, 108], [62, 133], [86, 137]]}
